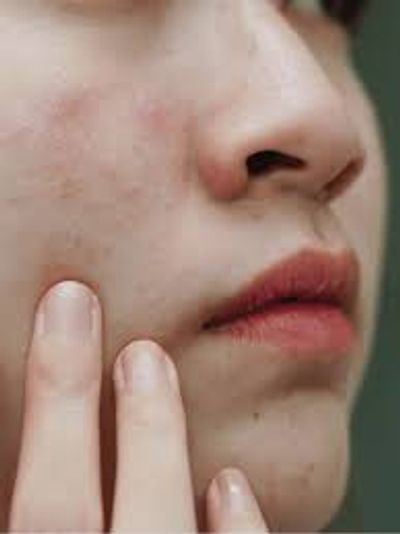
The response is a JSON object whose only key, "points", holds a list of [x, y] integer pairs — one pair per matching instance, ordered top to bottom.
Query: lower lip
{"points": [[300, 329]]}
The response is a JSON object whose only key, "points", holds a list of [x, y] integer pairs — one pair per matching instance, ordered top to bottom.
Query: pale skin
{"points": [[125, 128]]}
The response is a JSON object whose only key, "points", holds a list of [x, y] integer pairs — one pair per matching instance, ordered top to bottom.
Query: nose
{"points": [[284, 122]]}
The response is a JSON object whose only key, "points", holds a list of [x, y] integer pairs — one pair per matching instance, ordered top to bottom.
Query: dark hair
{"points": [[348, 12]]}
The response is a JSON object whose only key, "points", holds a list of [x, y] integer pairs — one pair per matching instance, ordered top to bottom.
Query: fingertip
{"points": [[122, 361], [232, 505]]}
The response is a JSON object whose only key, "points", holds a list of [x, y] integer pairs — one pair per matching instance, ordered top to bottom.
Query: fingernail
{"points": [[67, 311], [143, 368], [234, 491]]}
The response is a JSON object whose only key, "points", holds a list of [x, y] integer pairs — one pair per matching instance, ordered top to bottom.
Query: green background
{"points": [[372, 502]]}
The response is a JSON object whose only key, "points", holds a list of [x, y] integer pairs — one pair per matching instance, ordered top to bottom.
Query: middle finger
{"points": [[153, 484]]}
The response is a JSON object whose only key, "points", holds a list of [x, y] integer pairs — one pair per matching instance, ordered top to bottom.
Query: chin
{"points": [[295, 455], [308, 502], [287, 516]]}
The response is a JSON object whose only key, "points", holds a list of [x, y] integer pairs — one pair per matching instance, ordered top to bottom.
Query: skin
{"points": [[124, 132]]}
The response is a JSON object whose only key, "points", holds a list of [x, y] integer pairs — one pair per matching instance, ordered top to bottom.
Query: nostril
{"points": [[271, 160]]}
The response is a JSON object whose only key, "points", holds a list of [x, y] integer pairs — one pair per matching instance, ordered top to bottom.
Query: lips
{"points": [[309, 296]]}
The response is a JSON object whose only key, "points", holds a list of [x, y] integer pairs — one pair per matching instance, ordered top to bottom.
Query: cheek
{"points": [[116, 153], [92, 188]]}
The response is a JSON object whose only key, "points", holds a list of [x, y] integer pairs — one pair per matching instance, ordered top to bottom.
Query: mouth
{"points": [[303, 305]]}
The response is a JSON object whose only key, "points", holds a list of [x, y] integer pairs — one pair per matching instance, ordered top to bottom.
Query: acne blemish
{"points": [[74, 105], [154, 117]]}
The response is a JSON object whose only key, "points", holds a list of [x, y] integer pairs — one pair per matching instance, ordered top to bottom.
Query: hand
{"points": [[58, 482]]}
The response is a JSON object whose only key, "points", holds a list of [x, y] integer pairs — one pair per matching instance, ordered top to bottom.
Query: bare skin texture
{"points": [[124, 132]]}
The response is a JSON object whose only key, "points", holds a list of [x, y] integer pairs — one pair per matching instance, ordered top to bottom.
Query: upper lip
{"points": [[308, 275]]}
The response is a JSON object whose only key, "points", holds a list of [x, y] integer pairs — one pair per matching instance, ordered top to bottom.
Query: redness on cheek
{"points": [[74, 107], [156, 119], [90, 142]]}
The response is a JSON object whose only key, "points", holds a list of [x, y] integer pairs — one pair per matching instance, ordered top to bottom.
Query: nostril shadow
{"points": [[267, 161], [342, 180]]}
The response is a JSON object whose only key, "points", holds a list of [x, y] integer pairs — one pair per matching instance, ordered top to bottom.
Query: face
{"points": [[126, 130]]}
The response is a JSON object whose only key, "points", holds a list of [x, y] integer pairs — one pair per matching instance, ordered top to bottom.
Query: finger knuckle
{"points": [[70, 371]]}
